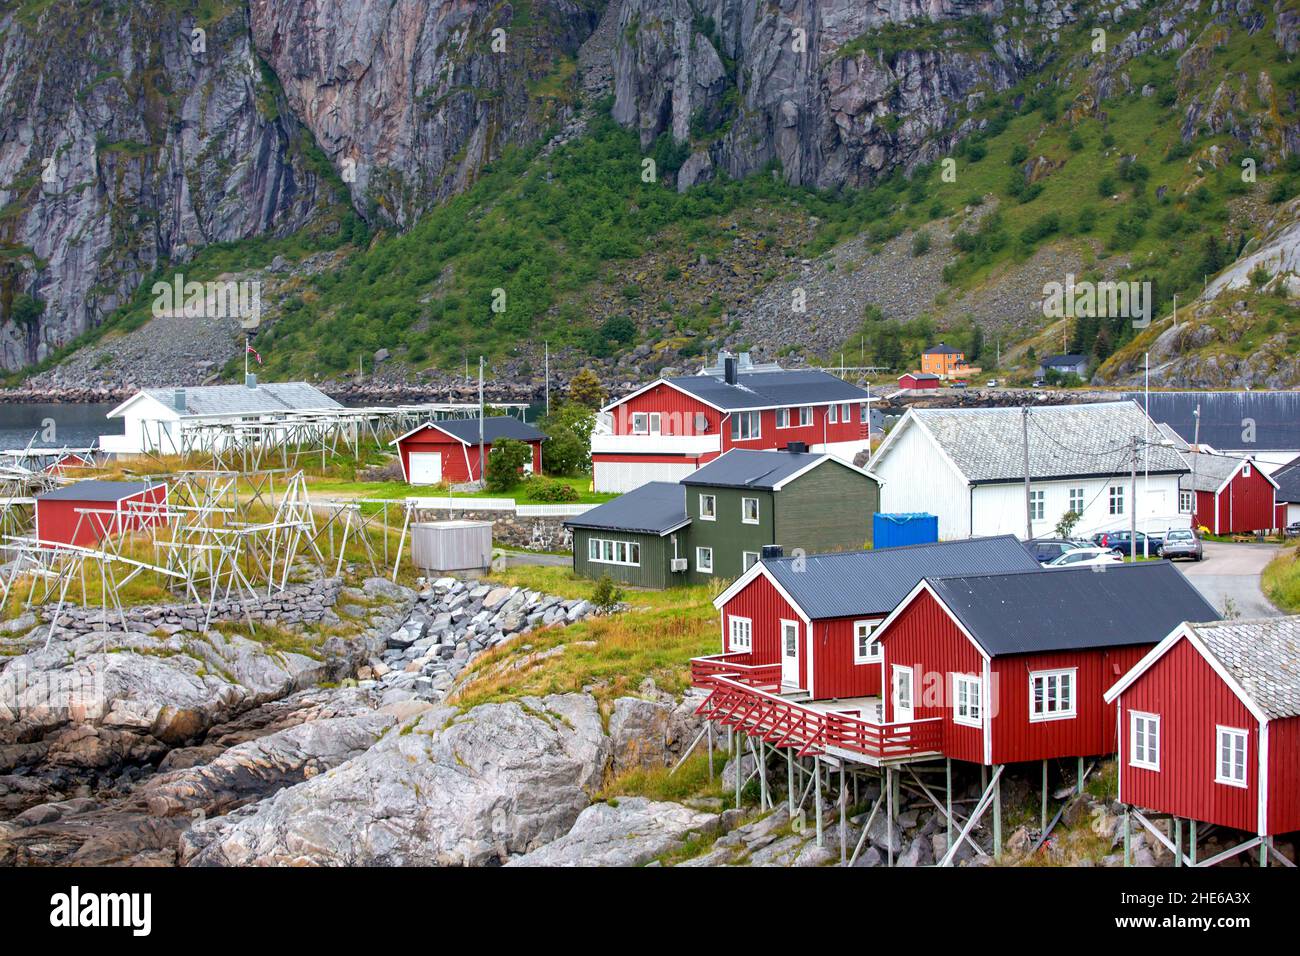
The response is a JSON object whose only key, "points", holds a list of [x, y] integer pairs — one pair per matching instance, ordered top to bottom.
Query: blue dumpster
{"points": [[893, 530]]}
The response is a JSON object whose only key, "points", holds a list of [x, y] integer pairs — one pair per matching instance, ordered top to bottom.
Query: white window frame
{"points": [[864, 413], [832, 414], [845, 414], [805, 416], [783, 418], [753, 420], [656, 423], [644, 427], [1116, 496], [1077, 498], [1186, 501], [1037, 505], [744, 511], [712, 514], [607, 550], [748, 559], [702, 565], [863, 629], [740, 633], [971, 712], [1069, 714], [1243, 736], [1150, 759]]}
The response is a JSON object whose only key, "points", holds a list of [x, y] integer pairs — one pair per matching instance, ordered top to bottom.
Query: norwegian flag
{"points": [[253, 352]]}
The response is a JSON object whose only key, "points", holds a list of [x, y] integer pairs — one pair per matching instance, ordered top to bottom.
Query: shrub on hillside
{"points": [[506, 461]]}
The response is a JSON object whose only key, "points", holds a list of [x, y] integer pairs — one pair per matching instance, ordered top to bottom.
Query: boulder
{"points": [[630, 831]]}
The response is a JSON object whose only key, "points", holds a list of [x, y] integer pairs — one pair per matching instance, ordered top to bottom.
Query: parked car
{"points": [[1039, 382], [993, 383], [957, 384], [1293, 529], [1118, 541], [1183, 543], [1048, 549], [1085, 557]]}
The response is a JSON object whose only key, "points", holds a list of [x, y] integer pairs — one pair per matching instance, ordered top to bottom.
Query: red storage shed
{"points": [[919, 381], [449, 450], [1233, 496], [85, 512], [813, 614], [1016, 665], [1209, 726]]}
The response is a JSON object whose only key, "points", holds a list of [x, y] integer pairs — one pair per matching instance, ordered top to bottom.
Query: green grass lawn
{"points": [[397, 490], [1281, 580]]}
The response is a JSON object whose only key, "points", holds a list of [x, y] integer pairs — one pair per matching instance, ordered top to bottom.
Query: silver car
{"points": [[1183, 543]]}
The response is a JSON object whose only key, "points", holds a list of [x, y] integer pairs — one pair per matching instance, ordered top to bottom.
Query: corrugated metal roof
{"points": [[773, 389], [241, 400], [1236, 421], [494, 428], [1065, 441], [750, 468], [1288, 482], [95, 489], [655, 508], [852, 583], [1063, 609], [1264, 658]]}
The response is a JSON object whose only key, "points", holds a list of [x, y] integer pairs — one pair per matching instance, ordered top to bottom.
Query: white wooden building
{"points": [[967, 467]]}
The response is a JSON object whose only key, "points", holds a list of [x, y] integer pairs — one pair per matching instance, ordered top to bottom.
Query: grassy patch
{"points": [[1281, 580], [658, 783]]}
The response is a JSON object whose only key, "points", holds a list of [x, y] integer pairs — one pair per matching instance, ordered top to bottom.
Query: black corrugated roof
{"points": [[770, 389], [1231, 421], [494, 427], [750, 468], [1288, 482], [95, 489], [655, 508], [854, 583], [1060, 609]]}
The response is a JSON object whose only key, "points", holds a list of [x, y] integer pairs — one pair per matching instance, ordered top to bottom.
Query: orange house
{"points": [[946, 362]]}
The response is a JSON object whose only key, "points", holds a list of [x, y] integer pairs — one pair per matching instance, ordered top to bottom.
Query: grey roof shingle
{"points": [[770, 389], [242, 400], [1259, 421], [494, 428], [1065, 441], [750, 468], [1211, 469], [95, 489], [655, 508], [860, 583], [1073, 608], [1263, 656]]}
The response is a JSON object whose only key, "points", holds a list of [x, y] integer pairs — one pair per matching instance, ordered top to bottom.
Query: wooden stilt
{"points": [[709, 726], [736, 737], [947, 767], [789, 779], [1078, 784], [817, 796], [844, 806], [889, 813], [997, 816], [1043, 825], [1128, 840], [1178, 841], [1191, 842], [1264, 845]]}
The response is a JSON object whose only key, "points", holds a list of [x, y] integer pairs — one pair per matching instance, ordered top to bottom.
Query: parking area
{"points": [[1230, 572]]}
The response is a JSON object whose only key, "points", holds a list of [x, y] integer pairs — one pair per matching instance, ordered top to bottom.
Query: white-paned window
{"points": [[863, 412], [831, 414], [805, 415], [783, 418], [640, 423], [745, 425], [1117, 499], [1185, 499], [1076, 500], [1037, 505], [708, 508], [749, 510], [611, 551], [748, 559], [704, 560], [740, 633], [865, 650], [1051, 694], [967, 699], [1144, 740], [1230, 759]]}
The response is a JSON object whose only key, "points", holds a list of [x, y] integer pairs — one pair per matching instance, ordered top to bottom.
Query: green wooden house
{"points": [[746, 500], [716, 522]]}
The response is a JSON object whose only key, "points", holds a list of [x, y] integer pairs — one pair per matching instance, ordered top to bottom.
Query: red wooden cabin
{"points": [[919, 381], [667, 429], [449, 450], [68, 462], [1232, 495], [85, 512], [811, 617], [1015, 665], [1209, 726]]}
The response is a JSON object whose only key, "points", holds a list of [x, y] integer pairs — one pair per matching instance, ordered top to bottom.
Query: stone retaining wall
{"points": [[300, 604]]}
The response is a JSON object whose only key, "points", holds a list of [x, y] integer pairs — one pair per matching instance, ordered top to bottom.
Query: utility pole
{"points": [[547, 373], [1024, 431], [1196, 450], [1146, 457], [482, 461], [1133, 488]]}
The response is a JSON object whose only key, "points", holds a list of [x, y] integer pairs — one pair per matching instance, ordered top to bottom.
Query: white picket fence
{"points": [[452, 503]]}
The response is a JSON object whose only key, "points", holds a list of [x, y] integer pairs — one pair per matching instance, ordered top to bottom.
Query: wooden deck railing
{"points": [[738, 666], [733, 702]]}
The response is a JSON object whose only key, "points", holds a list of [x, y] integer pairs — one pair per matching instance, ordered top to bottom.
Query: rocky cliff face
{"points": [[835, 91], [410, 100], [129, 140]]}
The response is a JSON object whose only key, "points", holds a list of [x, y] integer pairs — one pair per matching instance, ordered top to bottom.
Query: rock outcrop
{"points": [[130, 140], [444, 789], [630, 831]]}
